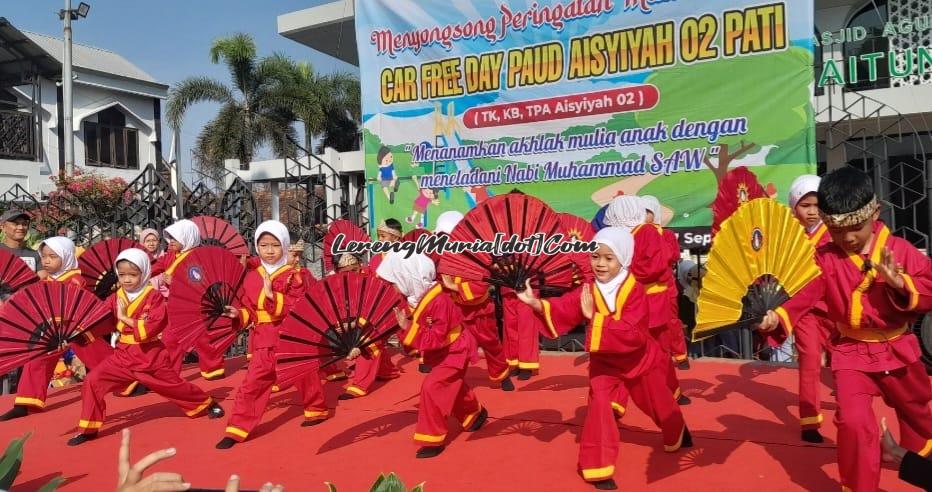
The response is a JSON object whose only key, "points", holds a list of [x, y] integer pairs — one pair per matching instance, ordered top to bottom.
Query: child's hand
{"points": [[890, 270], [42, 274], [167, 278], [449, 283], [267, 286], [527, 296], [586, 302], [121, 308], [230, 312], [402, 317], [770, 322], [354, 354]]}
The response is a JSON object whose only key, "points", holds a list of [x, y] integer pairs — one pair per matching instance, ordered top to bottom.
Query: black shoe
{"points": [[391, 198], [190, 358], [683, 365], [423, 368], [515, 371], [524, 374], [507, 385], [139, 390], [346, 396], [683, 400], [215, 411], [16, 412], [480, 421], [312, 423], [813, 436], [81, 439], [687, 439], [226, 443], [428, 452], [607, 484]]}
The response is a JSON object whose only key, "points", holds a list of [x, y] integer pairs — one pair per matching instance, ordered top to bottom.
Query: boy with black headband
{"points": [[874, 286]]}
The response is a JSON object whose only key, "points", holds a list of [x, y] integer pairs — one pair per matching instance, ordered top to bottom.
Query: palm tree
{"points": [[328, 105], [256, 108]]}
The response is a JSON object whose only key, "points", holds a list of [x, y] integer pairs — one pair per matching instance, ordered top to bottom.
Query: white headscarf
{"points": [[802, 186], [652, 204], [626, 211], [447, 221], [280, 231], [185, 232], [621, 242], [64, 248], [139, 258], [413, 276]]}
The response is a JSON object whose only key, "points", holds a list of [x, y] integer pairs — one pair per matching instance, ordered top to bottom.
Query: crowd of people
{"points": [[855, 318]]}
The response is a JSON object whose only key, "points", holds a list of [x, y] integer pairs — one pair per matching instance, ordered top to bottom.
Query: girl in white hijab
{"points": [[805, 203], [652, 204], [626, 211], [447, 221], [183, 235], [58, 256], [273, 259], [412, 276], [623, 355]]}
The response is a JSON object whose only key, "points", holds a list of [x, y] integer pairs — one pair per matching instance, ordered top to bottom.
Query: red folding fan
{"points": [[739, 186], [512, 214], [578, 229], [350, 231], [218, 232], [97, 264], [14, 274], [206, 281], [344, 311], [43, 318]]}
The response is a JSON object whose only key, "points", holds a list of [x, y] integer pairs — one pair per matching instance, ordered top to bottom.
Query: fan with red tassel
{"points": [[739, 186], [512, 214], [578, 229], [218, 232], [350, 232], [97, 264], [14, 274], [206, 281], [343, 311], [41, 319]]}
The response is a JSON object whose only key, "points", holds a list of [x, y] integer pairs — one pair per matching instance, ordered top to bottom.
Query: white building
{"points": [[117, 111]]}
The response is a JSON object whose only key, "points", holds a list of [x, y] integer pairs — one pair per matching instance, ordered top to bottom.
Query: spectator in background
{"points": [[15, 229]]}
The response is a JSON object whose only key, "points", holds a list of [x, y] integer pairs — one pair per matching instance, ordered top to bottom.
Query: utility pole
{"points": [[67, 15]]}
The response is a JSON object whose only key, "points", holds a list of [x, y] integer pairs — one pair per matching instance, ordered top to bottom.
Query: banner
{"points": [[579, 101]]}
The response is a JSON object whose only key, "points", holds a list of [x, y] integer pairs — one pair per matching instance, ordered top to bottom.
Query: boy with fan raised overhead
{"points": [[58, 258], [650, 266], [873, 286], [270, 290], [478, 311], [141, 315], [433, 324], [813, 330], [674, 341], [622, 353]]}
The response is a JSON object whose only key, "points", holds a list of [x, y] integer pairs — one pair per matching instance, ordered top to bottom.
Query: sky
{"points": [[170, 40]]}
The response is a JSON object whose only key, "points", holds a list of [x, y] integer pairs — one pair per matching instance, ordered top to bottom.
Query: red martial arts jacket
{"points": [[651, 266], [288, 287], [436, 324], [141, 344]]}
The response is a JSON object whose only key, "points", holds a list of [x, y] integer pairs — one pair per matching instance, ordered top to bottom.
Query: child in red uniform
{"points": [[183, 236], [58, 259], [650, 265], [873, 286], [270, 289], [478, 311], [435, 328], [812, 330], [674, 340], [622, 353], [139, 356]]}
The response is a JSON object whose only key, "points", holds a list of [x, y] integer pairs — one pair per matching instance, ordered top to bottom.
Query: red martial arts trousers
{"points": [[484, 329], [522, 334], [811, 334], [378, 365], [34, 379], [672, 382], [444, 392]]}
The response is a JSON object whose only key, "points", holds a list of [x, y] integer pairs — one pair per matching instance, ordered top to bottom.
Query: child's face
{"points": [[388, 160], [807, 210], [650, 218], [386, 237], [853, 239], [173, 245], [270, 248], [294, 257], [51, 262], [604, 264], [355, 267], [130, 275]]}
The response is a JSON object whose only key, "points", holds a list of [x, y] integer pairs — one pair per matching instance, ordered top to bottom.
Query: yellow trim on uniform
{"points": [[177, 261], [656, 288], [466, 290], [913, 293], [857, 297], [279, 304], [421, 306], [548, 318], [598, 319], [785, 320], [141, 329], [454, 334], [871, 335], [596, 337], [680, 357], [512, 362], [531, 366], [214, 373], [335, 376], [502, 376], [275, 388], [129, 389], [356, 390], [678, 393], [32, 402], [618, 407], [201, 408], [313, 414], [812, 420], [468, 421], [88, 424], [236, 431], [429, 438], [679, 442], [927, 450], [592, 474]]}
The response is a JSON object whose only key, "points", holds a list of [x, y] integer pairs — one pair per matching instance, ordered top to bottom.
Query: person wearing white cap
{"points": [[270, 290], [478, 312], [142, 315], [812, 332], [621, 353]]}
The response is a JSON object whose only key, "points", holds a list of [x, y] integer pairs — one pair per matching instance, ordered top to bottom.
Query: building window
{"points": [[872, 17], [109, 143]]}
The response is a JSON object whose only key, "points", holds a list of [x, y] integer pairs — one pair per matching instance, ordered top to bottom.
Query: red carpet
{"points": [[743, 420]]}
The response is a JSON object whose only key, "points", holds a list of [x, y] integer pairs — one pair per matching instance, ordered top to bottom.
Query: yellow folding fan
{"points": [[760, 257]]}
